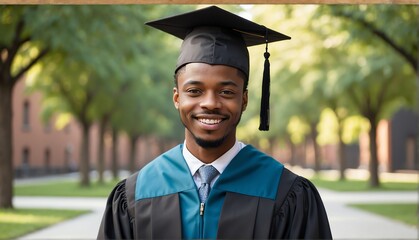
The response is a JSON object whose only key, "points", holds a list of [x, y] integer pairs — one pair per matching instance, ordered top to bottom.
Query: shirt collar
{"points": [[220, 163]]}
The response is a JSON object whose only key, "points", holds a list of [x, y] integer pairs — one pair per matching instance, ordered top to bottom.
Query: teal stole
{"points": [[250, 173]]}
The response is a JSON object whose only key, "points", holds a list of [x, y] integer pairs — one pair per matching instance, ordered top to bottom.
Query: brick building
{"points": [[40, 148]]}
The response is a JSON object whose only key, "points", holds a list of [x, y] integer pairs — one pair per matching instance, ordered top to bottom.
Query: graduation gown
{"points": [[255, 197]]}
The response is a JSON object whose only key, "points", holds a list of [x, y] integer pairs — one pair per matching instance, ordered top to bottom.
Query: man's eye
{"points": [[193, 91], [227, 92]]}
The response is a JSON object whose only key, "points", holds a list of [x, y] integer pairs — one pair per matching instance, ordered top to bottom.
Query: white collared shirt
{"points": [[220, 163]]}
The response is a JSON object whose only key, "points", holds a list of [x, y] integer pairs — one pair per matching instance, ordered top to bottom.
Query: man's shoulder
{"points": [[172, 154], [260, 157]]}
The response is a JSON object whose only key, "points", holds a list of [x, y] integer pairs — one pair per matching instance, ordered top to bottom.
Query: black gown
{"points": [[297, 212]]}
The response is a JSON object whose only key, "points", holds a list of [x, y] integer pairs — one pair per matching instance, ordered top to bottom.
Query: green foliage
{"points": [[393, 25], [333, 61], [101, 66], [18, 222]]}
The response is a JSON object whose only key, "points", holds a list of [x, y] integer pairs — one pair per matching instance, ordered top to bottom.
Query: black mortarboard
{"points": [[215, 36]]}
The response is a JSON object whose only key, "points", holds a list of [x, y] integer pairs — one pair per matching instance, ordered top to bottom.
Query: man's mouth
{"points": [[209, 121]]}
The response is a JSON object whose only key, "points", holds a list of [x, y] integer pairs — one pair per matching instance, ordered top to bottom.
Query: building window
{"points": [[26, 114], [410, 153], [68, 158], [47, 161], [25, 162]]}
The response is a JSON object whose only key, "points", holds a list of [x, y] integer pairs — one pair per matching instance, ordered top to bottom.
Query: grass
{"points": [[361, 185], [65, 189], [403, 212], [407, 213], [18, 222], [15, 223]]}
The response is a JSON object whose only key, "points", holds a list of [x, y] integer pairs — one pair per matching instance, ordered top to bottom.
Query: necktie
{"points": [[208, 173]]}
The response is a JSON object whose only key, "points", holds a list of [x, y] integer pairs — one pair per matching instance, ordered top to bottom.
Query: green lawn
{"points": [[359, 185], [65, 189], [407, 213], [18, 222], [14, 223]]}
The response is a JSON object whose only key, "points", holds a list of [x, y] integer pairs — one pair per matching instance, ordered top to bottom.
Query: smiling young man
{"points": [[210, 100], [212, 185]]}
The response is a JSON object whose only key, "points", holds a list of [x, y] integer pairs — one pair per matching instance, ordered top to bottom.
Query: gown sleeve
{"points": [[302, 214], [116, 222]]}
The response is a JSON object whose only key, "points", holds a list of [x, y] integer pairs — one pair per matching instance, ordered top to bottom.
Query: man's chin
{"points": [[209, 143]]}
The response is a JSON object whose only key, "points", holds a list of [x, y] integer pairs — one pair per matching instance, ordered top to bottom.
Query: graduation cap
{"points": [[215, 36]]}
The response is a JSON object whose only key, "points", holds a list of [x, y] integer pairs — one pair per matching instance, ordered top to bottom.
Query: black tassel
{"points": [[264, 104]]}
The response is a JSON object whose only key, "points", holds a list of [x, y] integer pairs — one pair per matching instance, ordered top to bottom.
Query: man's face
{"points": [[210, 100]]}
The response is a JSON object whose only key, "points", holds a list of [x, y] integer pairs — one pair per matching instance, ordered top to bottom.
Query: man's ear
{"points": [[176, 97], [244, 103]]}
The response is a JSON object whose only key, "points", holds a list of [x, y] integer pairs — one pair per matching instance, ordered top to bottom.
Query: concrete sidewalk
{"points": [[346, 222], [351, 223], [82, 227]]}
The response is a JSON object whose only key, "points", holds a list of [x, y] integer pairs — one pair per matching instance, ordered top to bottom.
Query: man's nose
{"points": [[211, 100]]}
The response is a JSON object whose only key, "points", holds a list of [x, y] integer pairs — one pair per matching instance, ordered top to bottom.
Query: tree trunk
{"points": [[417, 124], [272, 144], [291, 146], [341, 146], [6, 147], [316, 148], [101, 151], [341, 151], [115, 154], [133, 154], [84, 156], [302, 158], [342, 158], [373, 166]]}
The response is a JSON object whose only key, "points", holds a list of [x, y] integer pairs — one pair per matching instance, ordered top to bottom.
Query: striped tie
{"points": [[208, 173]]}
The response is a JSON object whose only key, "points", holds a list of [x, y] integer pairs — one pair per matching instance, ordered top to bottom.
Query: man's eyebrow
{"points": [[193, 82], [222, 83], [229, 83]]}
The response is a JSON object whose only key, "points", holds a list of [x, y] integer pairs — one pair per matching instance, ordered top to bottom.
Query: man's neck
{"points": [[208, 155]]}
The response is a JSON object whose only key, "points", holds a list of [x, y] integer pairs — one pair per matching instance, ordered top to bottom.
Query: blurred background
{"points": [[89, 89]]}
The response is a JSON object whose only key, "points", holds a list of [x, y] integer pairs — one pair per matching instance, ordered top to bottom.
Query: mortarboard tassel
{"points": [[264, 104]]}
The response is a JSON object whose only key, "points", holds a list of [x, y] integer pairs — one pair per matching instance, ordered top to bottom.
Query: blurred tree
{"points": [[394, 25], [387, 30], [63, 34], [15, 44], [329, 46], [19, 52], [324, 58], [297, 73], [99, 74], [71, 82], [377, 90], [147, 104]]}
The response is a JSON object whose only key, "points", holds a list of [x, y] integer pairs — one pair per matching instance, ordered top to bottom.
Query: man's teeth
{"points": [[210, 121]]}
